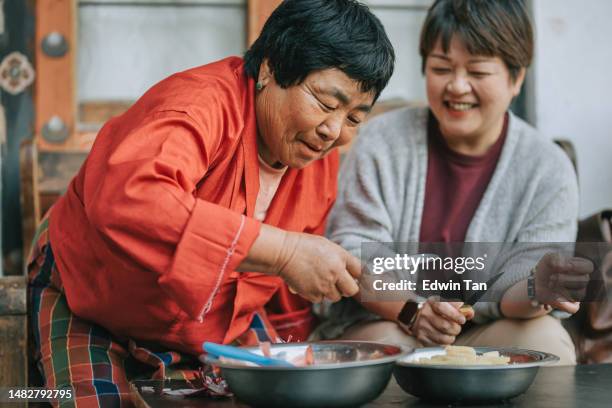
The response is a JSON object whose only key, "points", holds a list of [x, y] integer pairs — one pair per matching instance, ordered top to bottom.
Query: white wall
{"points": [[403, 26], [124, 49], [572, 85]]}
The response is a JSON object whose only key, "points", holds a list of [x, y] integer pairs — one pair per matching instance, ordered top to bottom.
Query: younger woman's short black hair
{"points": [[494, 28], [303, 36]]}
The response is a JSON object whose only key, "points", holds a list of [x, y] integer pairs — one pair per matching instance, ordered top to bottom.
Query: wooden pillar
{"points": [[258, 13], [55, 90], [30, 199]]}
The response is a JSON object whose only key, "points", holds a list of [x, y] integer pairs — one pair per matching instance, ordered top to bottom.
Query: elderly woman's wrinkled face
{"points": [[469, 95], [304, 122]]}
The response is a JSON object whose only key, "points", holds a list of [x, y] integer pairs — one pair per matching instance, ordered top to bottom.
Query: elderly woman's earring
{"points": [[259, 86]]}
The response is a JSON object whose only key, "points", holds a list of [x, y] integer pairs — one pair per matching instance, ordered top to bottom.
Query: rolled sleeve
{"points": [[215, 240]]}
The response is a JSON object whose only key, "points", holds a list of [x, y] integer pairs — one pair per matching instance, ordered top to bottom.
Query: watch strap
{"points": [[409, 312]]}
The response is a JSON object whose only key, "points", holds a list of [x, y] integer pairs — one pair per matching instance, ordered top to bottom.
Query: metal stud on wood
{"points": [[55, 45], [55, 130]]}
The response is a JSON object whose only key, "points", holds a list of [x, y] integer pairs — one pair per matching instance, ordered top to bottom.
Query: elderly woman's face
{"points": [[468, 94], [304, 122]]}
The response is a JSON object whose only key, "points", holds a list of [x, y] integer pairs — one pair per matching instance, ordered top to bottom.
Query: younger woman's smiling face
{"points": [[469, 95], [304, 122]]}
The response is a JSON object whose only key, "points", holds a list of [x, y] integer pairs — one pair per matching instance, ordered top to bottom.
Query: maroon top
{"points": [[455, 186]]}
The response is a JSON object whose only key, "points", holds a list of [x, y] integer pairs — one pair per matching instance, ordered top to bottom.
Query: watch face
{"points": [[408, 312]]}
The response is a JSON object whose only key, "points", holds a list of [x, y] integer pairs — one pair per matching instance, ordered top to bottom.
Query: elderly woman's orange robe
{"points": [[150, 231]]}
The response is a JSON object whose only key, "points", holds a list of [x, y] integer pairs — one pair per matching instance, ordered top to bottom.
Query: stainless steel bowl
{"points": [[345, 373], [476, 384]]}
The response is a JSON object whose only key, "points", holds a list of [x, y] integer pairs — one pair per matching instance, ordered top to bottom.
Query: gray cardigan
{"points": [[532, 195]]}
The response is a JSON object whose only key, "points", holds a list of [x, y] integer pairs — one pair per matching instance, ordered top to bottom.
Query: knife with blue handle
{"points": [[237, 353]]}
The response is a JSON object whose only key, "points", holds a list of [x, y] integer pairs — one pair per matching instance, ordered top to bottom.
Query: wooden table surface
{"points": [[585, 386]]}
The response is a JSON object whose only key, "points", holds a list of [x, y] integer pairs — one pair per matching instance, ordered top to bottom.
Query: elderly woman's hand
{"points": [[312, 266], [318, 269], [561, 281], [438, 323]]}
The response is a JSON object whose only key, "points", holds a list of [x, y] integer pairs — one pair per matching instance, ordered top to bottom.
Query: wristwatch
{"points": [[531, 288], [531, 291], [407, 316]]}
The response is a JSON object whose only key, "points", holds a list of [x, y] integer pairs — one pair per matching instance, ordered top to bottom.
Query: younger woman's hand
{"points": [[561, 281], [438, 323]]}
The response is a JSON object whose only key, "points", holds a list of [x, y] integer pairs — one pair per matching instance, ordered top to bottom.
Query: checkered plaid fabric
{"points": [[74, 353]]}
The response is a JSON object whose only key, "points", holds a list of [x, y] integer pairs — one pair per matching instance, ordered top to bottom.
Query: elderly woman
{"points": [[466, 169], [197, 212]]}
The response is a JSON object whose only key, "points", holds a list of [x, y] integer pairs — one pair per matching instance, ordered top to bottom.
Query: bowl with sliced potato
{"points": [[469, 374]]}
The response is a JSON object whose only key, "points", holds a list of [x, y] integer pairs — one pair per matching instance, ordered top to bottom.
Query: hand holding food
{"points": [[312, 266], [318, 269], [561, 281], [467, 311], [438, 322]]}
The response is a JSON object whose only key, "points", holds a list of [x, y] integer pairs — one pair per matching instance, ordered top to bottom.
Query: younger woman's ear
{"points": [[518, 82]]}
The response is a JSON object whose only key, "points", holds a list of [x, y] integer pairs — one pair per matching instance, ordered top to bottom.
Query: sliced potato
{"points": [[466, 310], [460, 351], [463, 355]]}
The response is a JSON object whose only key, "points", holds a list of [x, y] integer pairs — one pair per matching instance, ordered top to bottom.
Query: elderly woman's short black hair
{"points": [[494, 28], [303, 36]]}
